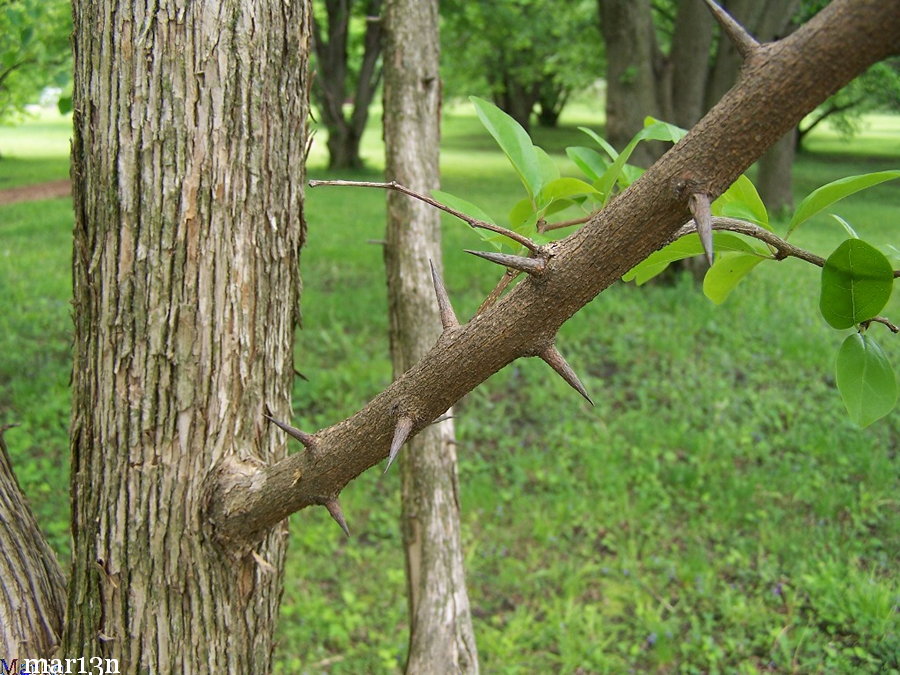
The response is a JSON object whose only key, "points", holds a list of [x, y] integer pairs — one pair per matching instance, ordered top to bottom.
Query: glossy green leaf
{"points": [[655, 131], [666, 131], [514, 141], [602, 142], [589, 161], [549, 170], [562, 188], [827, 195], [741, 200], [469, 209], [522, 213], [848, 228], [688, 247], [727, 272], [856, 284], [865, 379]]}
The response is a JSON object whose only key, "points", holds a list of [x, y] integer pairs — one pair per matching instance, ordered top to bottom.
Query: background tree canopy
{"points": [[34, 50]]}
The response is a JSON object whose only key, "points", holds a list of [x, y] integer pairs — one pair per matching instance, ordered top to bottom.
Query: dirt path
{"points": [[26, 193]]}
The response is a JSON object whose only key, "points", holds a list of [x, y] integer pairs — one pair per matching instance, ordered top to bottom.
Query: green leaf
{"points": [[655, 131], [665, 131], [514, 141], [602, 142], [589, 161], [549, 170], [562, 188], [835, 191], [741, 200], [469, 209], [521, 214], [848, 228], [688, 247], [726, 273], [856, 284], [865, 379]]}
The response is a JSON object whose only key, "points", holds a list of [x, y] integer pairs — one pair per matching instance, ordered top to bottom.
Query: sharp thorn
{"points": [[743, 42], [698, 203], [533, 266], [448, 316], [555, 360], [401, 433], [305, 438], [334, 508]]}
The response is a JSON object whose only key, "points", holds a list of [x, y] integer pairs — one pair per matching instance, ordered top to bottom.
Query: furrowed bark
{"points": [[784, 81], [190, 128], [33, 590], [441, 637]]}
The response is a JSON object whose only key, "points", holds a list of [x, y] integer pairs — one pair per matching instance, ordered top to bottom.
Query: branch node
{"points": [[743, 42], [698, 202], [532, 266], [448, 316], [555, 360], [401, 433], [308, 440], [334, 508]]}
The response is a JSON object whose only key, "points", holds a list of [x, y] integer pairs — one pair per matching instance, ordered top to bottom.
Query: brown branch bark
{"points": [[781, 83]]}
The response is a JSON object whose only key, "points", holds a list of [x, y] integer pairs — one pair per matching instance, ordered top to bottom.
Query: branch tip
{"points": [[743, 42], [698, 203], [533, 266], [448, 316], [555, 360], [401, 433], [306, 439], [334, 508]]}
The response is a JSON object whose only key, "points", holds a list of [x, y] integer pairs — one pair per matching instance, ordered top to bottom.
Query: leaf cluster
{"points": [[857, 279]]}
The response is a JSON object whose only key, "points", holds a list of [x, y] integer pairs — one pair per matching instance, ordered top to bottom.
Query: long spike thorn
{"points": [[745, 43], [698, 202], [533, 266], [448, 316], [555, 360], [401, 433], [307, 439], [334, 508]]}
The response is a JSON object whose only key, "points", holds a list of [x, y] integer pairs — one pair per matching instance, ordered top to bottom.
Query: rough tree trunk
{"points": [[774, 179], [188, 182], [33, 600], [441, 635]]}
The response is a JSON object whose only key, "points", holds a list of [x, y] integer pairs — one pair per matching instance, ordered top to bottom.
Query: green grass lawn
{"points": [[714, 512]]}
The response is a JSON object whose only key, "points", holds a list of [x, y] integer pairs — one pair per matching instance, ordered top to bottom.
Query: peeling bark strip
{"points": [[782, 83], [187, 163], [33, 590]]}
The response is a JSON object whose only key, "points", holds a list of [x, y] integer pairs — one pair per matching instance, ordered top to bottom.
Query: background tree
{"points": [[34, 50], [511, 51], [663, 61], [348, 67], [441, 634]]}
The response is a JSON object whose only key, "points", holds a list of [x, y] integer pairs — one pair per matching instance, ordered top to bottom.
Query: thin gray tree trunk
{"points": [[190, 124], [441, 635]]}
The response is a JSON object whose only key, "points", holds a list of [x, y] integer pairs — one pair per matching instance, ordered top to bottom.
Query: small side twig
{"points": [[473, 222], [544, 226], [783, 249], [508, 277], [894, 328]]}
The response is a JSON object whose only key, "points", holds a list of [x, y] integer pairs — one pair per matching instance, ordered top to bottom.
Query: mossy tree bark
{"points": [[188, 172], [441, 635]]}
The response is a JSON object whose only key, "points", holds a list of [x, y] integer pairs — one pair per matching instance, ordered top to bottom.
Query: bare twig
{"points": [[473, 222], [544, 226], [507, 278]]}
